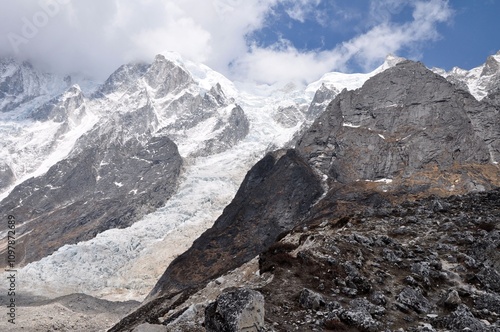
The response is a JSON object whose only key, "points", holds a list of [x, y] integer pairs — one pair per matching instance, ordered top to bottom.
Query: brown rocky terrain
{"points": [[426, 265]]}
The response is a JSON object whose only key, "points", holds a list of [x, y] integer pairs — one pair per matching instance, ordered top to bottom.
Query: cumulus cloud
{"points": [[96, 36], [368, 49]]}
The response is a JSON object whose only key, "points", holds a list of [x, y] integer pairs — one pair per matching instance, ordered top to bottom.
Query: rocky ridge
{"points": [[482, 81]]}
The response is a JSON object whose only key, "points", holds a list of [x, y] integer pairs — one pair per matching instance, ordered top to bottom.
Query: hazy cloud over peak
{"points": [[95, 37]]}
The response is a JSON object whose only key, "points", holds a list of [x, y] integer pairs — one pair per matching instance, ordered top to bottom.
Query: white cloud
{"points": [[98, 36], [367, 49], [282, 63]]}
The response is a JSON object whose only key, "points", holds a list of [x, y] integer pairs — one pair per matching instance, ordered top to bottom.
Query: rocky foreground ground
{"points": [[428, 265]]}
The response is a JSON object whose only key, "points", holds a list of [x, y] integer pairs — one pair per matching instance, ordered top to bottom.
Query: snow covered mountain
{"points": [[480, 81], [83, 169]]}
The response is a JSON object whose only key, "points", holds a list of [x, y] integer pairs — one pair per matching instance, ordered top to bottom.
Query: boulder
{"points": [[236, 310]]}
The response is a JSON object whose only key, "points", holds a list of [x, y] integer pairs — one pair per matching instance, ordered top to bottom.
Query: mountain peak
{"points": [[391, 60]]}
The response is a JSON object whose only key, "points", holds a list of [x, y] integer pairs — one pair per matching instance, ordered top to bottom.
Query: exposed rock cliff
{"points": [[402, 121], [275, 196]]}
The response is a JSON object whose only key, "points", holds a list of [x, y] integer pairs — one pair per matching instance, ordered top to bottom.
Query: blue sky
{"points": [[469, 38], [465, 39], [264, 41]]}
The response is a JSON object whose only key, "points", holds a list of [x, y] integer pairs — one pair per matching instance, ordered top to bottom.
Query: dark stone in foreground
{"points": [[236, 310]]}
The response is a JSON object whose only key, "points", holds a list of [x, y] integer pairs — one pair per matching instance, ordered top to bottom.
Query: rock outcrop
{"points": [[236, 310]]}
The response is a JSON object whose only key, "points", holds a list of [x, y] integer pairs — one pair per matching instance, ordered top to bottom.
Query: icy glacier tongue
{"points": [[200, 110]]}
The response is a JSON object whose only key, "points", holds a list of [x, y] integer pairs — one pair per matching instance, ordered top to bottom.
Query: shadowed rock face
{"points": [[401, 121], [274, 197]]}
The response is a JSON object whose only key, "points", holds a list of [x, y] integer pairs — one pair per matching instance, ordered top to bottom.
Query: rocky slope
{"points": [[406, 133], [425, 265]]}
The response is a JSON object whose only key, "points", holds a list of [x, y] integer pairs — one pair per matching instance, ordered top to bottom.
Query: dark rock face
{"points": [[400, 122], [275, 196], [73, 202], [236, 310]]}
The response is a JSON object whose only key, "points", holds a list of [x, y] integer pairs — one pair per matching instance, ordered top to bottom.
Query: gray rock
{"points": [[166, 77], [123, 79], [323, 96], [71, 105], [288, 117], [418, 119], [231, 131], [7, 177], [490, 278], [309, 299], [414, 299], [452, 299], [490, 302], [236, 310], [360, 319], [461, 319]]}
